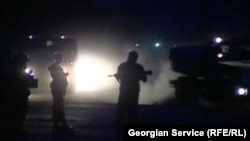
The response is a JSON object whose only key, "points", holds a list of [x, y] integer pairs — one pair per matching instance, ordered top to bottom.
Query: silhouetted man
{"points": [[129, 75], [58, 89], [15, 94]]}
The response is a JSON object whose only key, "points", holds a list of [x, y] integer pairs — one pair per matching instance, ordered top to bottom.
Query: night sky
{"points": [[172, 20], [97, 24]]}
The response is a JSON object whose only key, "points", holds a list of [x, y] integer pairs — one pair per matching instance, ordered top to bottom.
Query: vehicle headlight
{"points": [[218, 40], [219, 55], [29, 71], [91, 74], [241, 91]]}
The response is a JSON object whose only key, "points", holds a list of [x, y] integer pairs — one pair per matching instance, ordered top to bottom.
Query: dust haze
{"points": [[155, 91]]}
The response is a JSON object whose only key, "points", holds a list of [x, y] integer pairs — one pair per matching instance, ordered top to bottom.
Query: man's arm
{"points": [[57, 72], [118, 74], [116, 77], [143, 77]]}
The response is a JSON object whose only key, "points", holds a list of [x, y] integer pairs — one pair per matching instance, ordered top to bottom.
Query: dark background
{"points": [[174, 21]]}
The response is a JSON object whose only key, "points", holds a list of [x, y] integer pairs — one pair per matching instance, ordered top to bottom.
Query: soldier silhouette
{"points": [[129, 75], [58, 89], [15, 95]]}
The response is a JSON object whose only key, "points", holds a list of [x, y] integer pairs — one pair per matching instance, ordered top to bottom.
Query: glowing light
{"points": [[30, 37], [62, 37], [218, 40], [157, 44], [137, 45], [219, 55], [29, 71], [32, 73], [91, 74], [242, 91]]}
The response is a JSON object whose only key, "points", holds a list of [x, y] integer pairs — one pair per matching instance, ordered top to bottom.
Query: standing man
{"points": [[129, 75], [58, 89], [15, 91]]}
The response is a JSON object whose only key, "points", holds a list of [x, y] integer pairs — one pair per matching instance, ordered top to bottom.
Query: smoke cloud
{"points": [[155, 91]]}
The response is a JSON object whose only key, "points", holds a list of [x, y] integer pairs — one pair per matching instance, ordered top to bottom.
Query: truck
{"points": [[217, 70]]}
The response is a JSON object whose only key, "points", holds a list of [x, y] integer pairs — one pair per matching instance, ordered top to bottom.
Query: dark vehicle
{"points": [[216, 71]]}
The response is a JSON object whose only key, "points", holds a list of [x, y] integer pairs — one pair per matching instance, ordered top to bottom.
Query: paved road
{"points": [[95, 121]]}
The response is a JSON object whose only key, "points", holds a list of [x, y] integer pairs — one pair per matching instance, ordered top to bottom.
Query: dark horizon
{"points": [[128, 20]]}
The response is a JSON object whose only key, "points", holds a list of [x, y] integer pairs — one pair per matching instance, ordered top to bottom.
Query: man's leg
{"points": [[56, 107], [132, 107], [121, 109], [61, 110], [121, 114]]}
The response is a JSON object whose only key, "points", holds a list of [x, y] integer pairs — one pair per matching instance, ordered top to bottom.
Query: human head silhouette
{"points": [[133, 56], [58, 58]]}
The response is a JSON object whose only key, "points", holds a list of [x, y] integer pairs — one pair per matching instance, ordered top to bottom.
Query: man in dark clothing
{"points": [[129, 75], [58, 89], [15, 94]]}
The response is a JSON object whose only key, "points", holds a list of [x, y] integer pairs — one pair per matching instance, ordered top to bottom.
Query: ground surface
{"points": [[94, 121]]}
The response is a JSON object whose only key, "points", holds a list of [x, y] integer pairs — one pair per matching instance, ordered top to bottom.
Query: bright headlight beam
{"points": [[218, 40], [219, 55], [27, 70], [91, 74], [242, 91]]}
